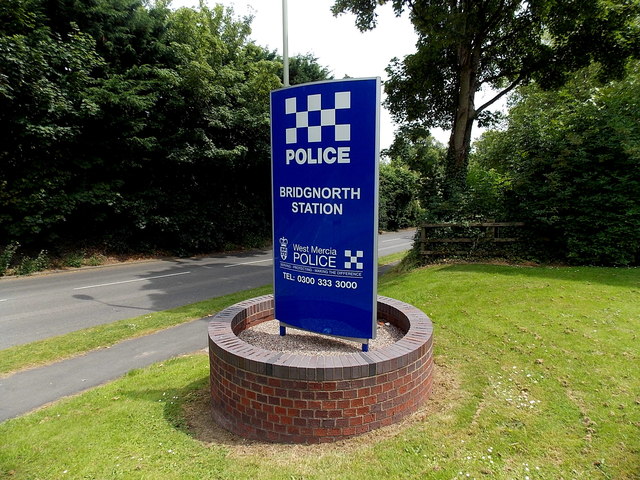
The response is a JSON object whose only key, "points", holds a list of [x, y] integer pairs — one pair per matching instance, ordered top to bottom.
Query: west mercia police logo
{"points": [[283, 248]]}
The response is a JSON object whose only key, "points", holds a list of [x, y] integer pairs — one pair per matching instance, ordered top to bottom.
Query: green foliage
{"points": [[464, 46], [305, 69], [134, 126], [416, 149], [415, 152], [573, 162], [398, 193], [6, 257], [74, 259], [29, 265]]}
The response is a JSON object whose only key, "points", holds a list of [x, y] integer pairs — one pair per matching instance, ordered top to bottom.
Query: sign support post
{"points": [[285, 44]]}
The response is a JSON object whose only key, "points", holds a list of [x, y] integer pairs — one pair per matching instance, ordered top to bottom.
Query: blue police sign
{"points": [[325, 152]]}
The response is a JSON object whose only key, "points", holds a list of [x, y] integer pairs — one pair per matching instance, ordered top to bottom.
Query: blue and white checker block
{"points": [[342, 132], [353, 261]]}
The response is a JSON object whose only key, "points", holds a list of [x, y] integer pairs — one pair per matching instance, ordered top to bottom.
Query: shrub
{"points": [[6, 257], [30, 265]]}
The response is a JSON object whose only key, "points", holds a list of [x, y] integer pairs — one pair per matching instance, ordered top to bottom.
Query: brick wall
{"points": [[282, 397]]}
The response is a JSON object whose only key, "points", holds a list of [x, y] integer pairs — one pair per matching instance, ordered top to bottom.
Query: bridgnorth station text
{"points": [[319, 193]]}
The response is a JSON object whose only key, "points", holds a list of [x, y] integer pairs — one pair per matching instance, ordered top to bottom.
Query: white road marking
{"points": [[396, 246], [248, 263], [130, 281], [3, 299]]}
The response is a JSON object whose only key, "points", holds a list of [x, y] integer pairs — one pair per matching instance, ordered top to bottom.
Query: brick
{"points": [[329, 386], [268, 390], [356, 392], [363, 392], [322, 395], [336, 395], [370, 400], [328, 405], [355, 421], [314, 422], [342, 422], [328, 423], [293, 430], [348, 431]]}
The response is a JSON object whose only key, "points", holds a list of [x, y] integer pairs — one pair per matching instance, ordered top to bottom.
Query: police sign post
{"points": [[325, 152]]}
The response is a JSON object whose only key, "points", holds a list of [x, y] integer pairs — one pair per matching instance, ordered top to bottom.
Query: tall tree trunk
{"points": [[460, 140]]}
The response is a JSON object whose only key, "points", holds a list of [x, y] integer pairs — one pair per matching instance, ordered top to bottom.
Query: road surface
{"points": [[42, 306]]}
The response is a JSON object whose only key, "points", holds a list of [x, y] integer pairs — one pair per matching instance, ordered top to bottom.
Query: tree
{"points": [[466, 45], [305, 68], [44, 80], [132, 126], [415, 149], [572, 157], [398, 206]]}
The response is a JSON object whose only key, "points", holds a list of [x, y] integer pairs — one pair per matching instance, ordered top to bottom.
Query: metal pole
{"points": [[285, 44]]}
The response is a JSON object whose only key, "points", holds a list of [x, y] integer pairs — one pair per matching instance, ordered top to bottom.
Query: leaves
{"points": [[465, 46], [134, 125], [573, 159]]}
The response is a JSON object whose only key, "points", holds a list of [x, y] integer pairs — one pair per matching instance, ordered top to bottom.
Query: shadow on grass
{"points": [[188, 410]]}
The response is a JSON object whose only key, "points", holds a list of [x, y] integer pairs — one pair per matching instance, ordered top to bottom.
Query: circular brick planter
{"points": [[288, 398]]}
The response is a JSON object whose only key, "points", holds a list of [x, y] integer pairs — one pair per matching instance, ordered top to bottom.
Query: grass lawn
{"points": [[537, 376]]}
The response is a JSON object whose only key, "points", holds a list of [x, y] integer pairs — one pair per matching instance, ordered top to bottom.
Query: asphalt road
{"points": [[38, 307]]}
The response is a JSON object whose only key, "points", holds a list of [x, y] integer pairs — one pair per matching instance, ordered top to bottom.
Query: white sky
{"points": [[336, 42]]}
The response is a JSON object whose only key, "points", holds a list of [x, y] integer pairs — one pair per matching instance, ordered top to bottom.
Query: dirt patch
{"points": [[445, 395]]}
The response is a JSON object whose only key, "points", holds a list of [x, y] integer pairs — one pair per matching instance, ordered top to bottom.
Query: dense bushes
{"points": [[132, 126], [572, 158], [566, 162], [398, 206]]}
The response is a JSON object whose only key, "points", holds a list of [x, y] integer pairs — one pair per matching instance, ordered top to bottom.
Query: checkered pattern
{"points": [[314, 118], [353, 261]]}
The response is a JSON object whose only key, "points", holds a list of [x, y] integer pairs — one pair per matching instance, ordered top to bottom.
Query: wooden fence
{"points": [[467, 239]]}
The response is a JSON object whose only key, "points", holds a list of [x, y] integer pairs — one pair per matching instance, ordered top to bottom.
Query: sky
{"points": [[336, 42]]}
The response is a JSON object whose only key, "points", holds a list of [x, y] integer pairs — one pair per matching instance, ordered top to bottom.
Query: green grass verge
{"points": [[392, 258], [81, 341], [536, 377]]}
